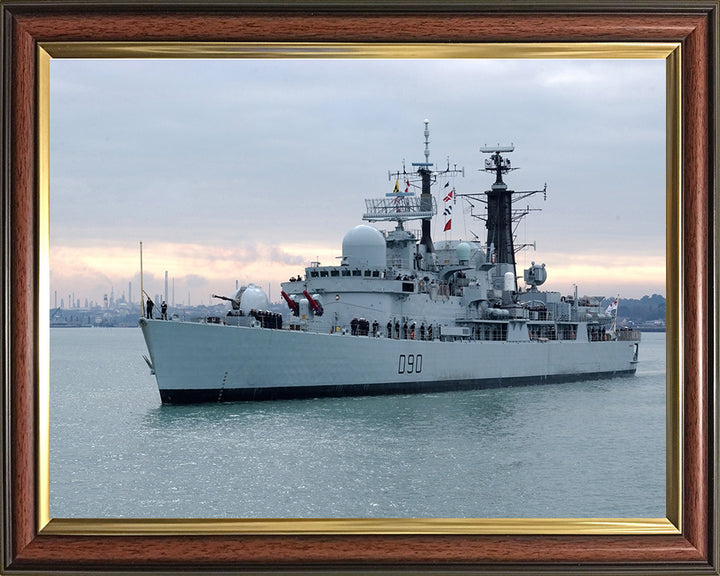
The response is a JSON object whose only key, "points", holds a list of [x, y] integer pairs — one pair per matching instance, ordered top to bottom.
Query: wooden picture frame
{"points": [[686, 542]]}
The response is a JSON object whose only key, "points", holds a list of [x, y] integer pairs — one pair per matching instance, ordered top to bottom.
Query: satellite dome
{"points": [[364, 247], [463, 252], [253, 298]]}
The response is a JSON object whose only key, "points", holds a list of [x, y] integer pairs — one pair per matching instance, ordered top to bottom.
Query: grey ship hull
{"points": [[218, 363]]}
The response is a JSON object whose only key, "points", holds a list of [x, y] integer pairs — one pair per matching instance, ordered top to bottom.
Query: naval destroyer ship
{"points": [[399, 314]]}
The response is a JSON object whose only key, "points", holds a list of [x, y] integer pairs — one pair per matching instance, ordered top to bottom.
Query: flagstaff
{"points": [[142, 289]]}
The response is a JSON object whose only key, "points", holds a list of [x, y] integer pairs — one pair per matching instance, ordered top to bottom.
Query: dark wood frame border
{"points": [[693, 23]]}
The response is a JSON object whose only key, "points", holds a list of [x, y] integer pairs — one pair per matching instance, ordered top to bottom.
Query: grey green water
{"points": [[587, 449]]}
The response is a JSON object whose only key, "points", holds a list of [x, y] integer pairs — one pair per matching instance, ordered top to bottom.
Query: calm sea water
{"points": [[588, 449]]}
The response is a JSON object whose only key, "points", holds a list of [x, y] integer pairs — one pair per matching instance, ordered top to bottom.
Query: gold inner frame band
{"points": [[615, 50], [585, 526]]}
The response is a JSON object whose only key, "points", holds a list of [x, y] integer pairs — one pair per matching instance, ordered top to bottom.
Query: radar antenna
{"points": [[402, 206]]}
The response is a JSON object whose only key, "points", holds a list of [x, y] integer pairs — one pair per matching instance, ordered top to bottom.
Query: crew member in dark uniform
{"points": [[150, 306]]}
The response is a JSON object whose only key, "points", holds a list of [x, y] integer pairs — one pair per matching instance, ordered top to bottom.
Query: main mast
{"points": [[425, 194], [403, 206], [499, 213], [500, 217]]}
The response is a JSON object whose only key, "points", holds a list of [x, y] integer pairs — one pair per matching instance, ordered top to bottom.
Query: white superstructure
{"points": [[398, 314]]}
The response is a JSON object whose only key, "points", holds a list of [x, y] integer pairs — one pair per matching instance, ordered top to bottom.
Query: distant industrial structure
{"points": [[123, 311], [647, 314]]}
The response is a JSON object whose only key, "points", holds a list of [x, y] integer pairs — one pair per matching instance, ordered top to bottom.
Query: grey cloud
{"points": [[256, 154]]}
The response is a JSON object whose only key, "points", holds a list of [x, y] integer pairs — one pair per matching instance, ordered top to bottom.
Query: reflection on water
{"points": [[589, 449]]}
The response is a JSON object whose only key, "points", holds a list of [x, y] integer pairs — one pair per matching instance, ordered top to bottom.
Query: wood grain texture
{"points": [[254, 27], [697, 200], [22, 297], [221, 551], [689, 552]]}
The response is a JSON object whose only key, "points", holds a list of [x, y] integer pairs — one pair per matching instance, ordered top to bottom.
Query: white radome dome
{"points": [[364, 247], [463, 251], [253, 298]]}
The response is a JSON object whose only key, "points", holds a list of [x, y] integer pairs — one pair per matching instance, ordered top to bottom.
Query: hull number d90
{"points": [[410, 364]]}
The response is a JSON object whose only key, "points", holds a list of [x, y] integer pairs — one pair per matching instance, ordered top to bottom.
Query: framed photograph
{"points": [[272, 35]]}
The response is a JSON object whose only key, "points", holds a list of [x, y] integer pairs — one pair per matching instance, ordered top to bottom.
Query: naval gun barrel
{"points": [[223, 297], [235, 303]]}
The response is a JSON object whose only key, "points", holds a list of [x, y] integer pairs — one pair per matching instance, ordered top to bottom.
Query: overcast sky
{"points": [[246, 170]]}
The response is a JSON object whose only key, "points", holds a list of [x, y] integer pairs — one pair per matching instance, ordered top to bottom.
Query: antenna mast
{"points": [[401, 206], [501, 216]]}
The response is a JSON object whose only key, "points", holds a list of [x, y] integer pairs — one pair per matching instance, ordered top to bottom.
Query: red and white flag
{"points": [[448, 209], [613, 306]]}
